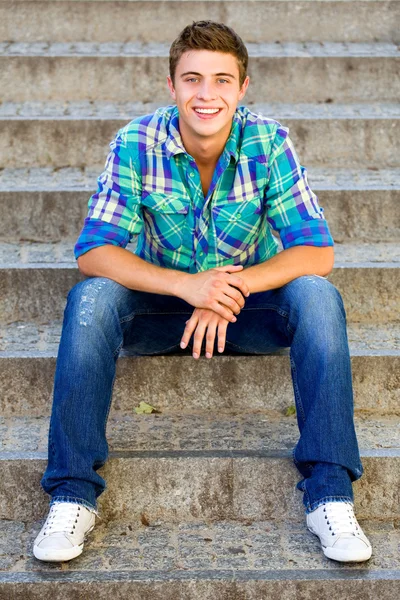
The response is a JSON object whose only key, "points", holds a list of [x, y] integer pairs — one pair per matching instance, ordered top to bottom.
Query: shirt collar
{"points": [[233, 142], [174, 144]]}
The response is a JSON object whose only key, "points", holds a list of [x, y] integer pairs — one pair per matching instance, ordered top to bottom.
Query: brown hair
{"points": [[208, 35]]}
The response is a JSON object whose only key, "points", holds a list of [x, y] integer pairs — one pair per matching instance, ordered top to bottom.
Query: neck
{"points": [[204, 150]]}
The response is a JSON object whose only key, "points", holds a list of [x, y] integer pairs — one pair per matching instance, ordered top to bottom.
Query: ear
{"points": [[171, 87], [244, 87]]}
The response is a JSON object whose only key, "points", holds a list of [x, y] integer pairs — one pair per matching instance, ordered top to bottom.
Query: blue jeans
{"points": [[103, 316]]}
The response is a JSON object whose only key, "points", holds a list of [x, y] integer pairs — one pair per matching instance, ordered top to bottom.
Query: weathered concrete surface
{"points": [[366, 21], [279, 76], [124, 111], [352, 143], [360, 205], [45, 215], [359, 215], [368, 215], [24, 253], [369, 290], [40, 293], [367, 293], [26, 384], [181, 384], [265, 431], [196, 480], [197, 486], [251, 551], [385, 588]]}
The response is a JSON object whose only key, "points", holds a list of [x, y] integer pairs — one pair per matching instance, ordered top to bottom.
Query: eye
{"points": [[192, 79], [223, 81]]}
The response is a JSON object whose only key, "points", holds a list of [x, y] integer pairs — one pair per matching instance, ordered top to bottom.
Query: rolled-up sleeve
{"points": [[292, 208], [114, 214]]}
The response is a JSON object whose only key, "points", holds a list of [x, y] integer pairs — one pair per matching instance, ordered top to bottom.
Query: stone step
{"points": [[299, 21], [289, 72], [69, 134], [52, 203], [25, 253], [369, 289], [180, 384], [170, 430], [184, 485], [200, 561], [204, 585]]}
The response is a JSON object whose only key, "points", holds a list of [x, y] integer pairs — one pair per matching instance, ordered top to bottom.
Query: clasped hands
{"points": [[218, 295]]}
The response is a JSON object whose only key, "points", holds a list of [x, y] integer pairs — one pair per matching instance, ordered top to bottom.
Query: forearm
{"points": [[288, 265], [130, 270], [219, 289]]}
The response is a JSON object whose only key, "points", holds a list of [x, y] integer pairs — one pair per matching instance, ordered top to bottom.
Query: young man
{"points": [[203, 183]]}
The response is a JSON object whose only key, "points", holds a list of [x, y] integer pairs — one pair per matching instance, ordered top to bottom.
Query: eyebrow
{"points": [[215, 74]]}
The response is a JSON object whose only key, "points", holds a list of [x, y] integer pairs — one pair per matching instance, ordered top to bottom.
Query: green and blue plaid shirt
{"points": [[151, 187]]}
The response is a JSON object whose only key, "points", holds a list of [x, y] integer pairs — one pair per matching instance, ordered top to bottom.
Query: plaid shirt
{"points": [[151, 187]]}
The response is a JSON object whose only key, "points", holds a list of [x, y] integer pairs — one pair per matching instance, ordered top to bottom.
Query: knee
{"points": [[91, 299], [318, 299]]}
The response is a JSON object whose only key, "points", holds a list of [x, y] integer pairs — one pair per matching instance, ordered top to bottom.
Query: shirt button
{"points": [[192, 174], [238, 216], [201, 253]]}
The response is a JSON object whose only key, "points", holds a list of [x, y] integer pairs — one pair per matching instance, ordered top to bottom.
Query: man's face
{"points": [[207, 92]]}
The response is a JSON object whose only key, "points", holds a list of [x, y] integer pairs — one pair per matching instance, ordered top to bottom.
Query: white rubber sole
{"points": [[48, 555], [62, 555], [343, 555]]}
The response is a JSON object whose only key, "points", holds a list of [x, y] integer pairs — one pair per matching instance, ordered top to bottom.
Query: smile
{"points": [[207, 113]]}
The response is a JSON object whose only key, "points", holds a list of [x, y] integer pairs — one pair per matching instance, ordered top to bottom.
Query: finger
{"points": [[238, 283], [234, 294], [230, 303], [223, 311], [222, 327], [188, 331], [210, 337], [198, 338]]}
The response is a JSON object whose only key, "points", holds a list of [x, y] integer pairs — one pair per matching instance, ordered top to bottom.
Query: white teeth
{"points": [[207, 111]]}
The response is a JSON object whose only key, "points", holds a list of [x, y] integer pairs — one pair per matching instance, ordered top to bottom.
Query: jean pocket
{"points": [[165, 217], [237, 226]]}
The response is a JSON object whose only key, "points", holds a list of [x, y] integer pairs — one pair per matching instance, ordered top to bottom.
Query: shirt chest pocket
{"points": [[165, 217], [237, 225]]}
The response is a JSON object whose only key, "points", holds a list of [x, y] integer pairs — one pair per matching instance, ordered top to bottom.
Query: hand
{"points": [[219, 290], [203, 320]]}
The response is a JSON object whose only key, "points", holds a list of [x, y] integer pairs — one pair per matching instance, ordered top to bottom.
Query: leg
{"points": [[308, 315], [101, 317]]}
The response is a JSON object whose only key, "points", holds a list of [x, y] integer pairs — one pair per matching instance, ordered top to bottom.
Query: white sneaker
{"points": [[340, 534], [61, 537]]}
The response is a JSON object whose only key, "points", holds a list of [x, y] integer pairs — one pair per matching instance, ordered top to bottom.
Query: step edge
{"points": [[161, 49], [73, 266], [39, 355], [195, 454], [234, 575]]}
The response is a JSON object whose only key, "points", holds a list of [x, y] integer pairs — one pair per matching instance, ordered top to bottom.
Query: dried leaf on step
{"points": [[145, 409], [291, 410], [144, 520]]}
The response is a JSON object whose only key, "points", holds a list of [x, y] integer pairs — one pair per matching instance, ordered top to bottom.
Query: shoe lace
{"points": [[62, 518], [341, 518]]}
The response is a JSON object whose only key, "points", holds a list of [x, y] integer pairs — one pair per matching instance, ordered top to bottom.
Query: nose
{"points": [[206, 91]]}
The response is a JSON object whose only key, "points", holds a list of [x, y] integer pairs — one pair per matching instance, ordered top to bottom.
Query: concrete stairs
{"points": [[201, 500]]}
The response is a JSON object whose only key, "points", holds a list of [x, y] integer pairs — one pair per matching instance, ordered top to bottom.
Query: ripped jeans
{"points": [[102, 317]]}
